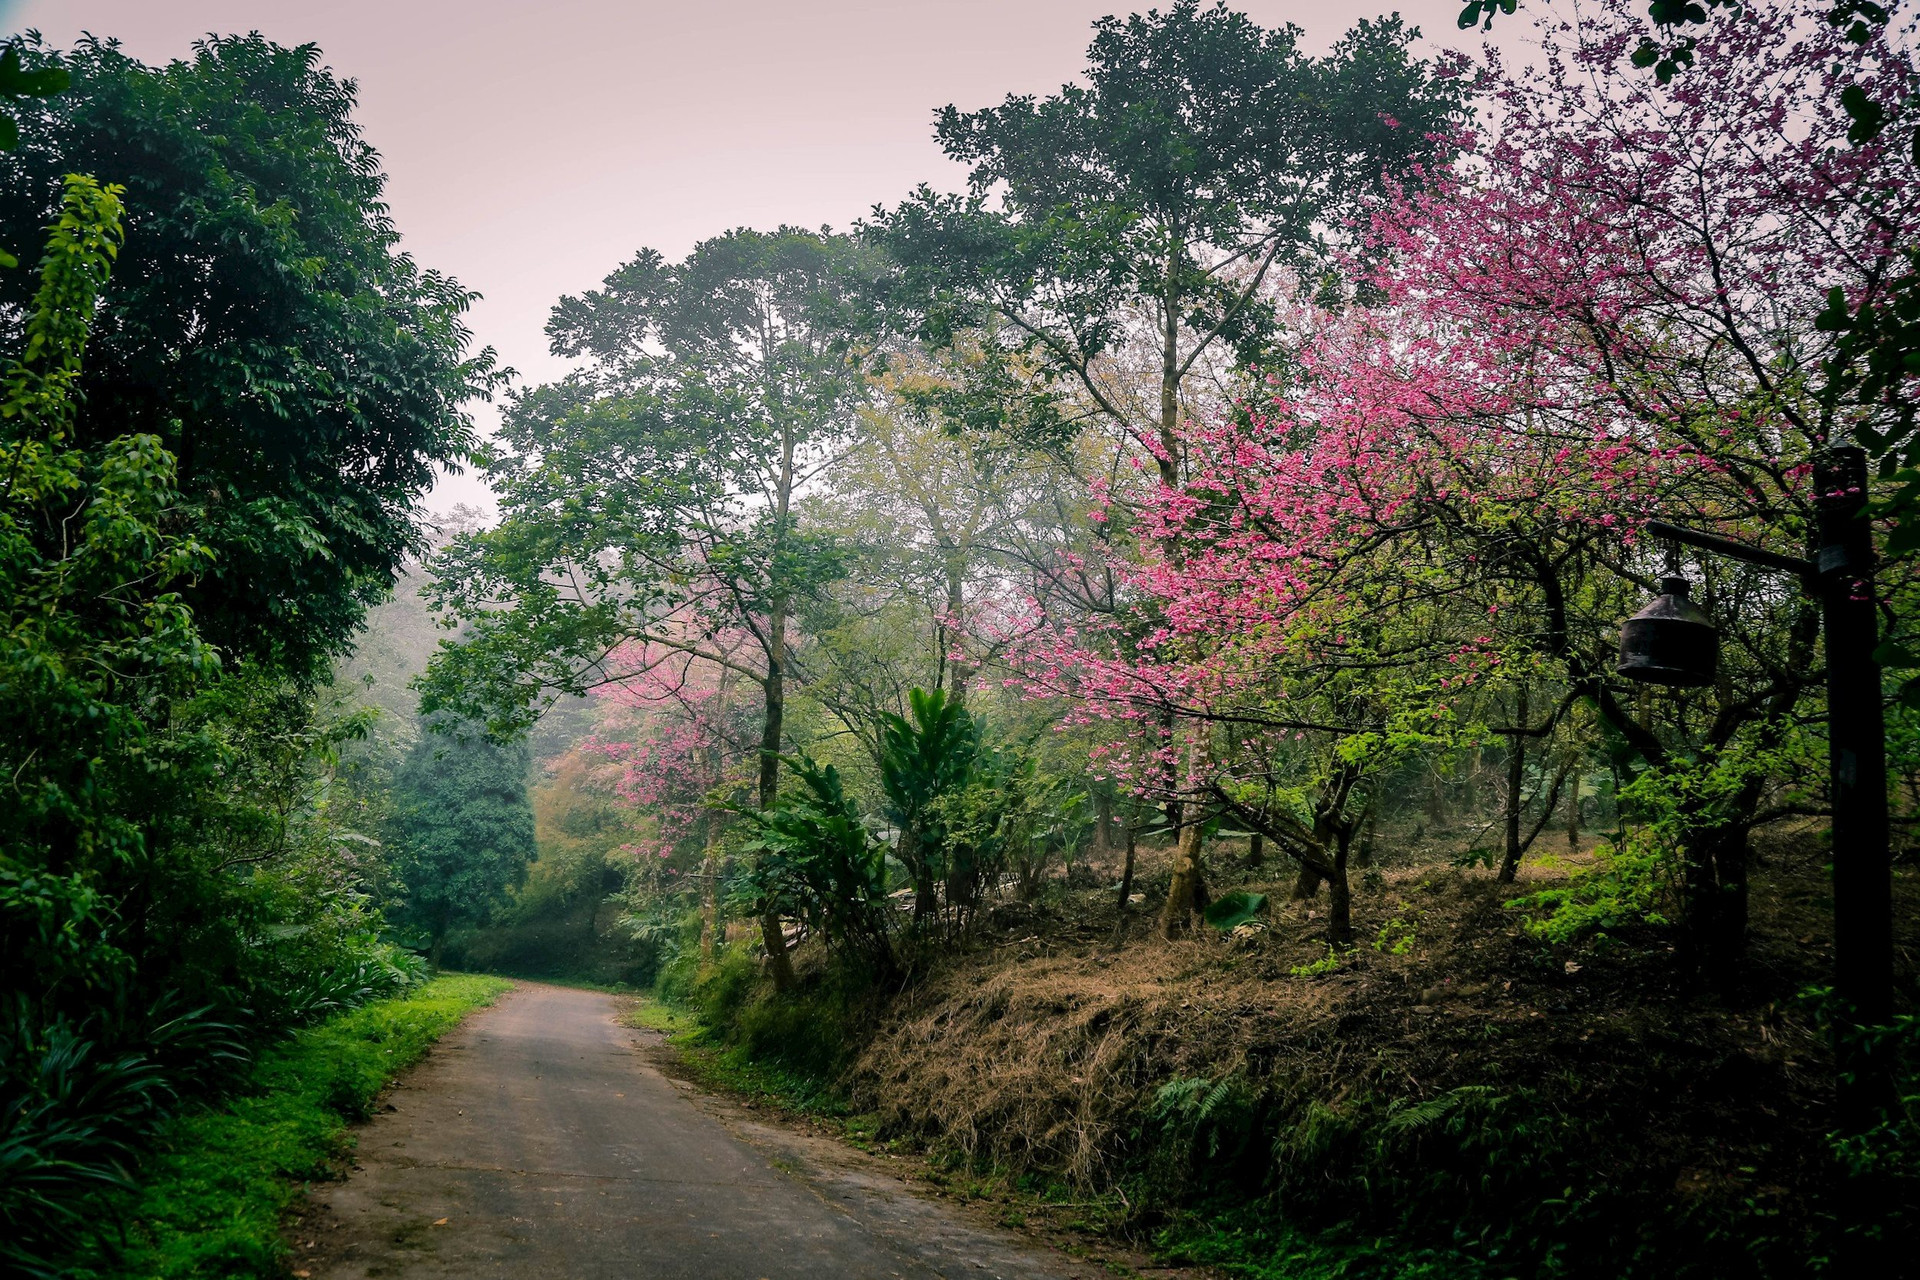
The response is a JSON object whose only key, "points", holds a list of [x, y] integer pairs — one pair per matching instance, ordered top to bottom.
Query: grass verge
{"points": [[729, 1069], [222, 1177]]}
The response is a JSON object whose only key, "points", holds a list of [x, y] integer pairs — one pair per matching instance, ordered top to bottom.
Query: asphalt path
{"points": [[540, 1140]]}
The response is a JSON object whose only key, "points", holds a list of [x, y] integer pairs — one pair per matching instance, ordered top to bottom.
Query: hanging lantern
{"points": [[1670, 642]]}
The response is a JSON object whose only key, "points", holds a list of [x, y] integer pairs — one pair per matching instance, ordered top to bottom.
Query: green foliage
{"points": [[17, 81], [304, 374], [651, 497], [191, 519], [97, 645], [922, 762], [1012, 815], [462, 828], [817, 859], [1630, 883], [1229, 911], [1396, 936], [1329, 963], [715, 992], [813, 1033], [75, 1112], [1207, 1120], [1884, 1160], [211, 1202], [1254, 1244]]}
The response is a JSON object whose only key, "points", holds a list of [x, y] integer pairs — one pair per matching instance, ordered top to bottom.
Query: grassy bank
{"points": [[706, 1056], [1459, 1098], [214, 1193]]}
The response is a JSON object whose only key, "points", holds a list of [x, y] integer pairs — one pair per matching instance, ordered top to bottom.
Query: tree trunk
{"points": [[951, 629], [1168, 778], [1516, 778], [1573, 813], [1102, 820], [1368, 833], [1256, 851], [1715, 857], [1730, 865], [1126, 874], [1306, 885], [710, 891], [1187, 895], [1340, 895], [926, 898], [438, 948], [779, 964]]}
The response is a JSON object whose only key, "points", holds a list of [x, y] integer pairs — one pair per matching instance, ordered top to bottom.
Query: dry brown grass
{"points": [[1040, 1049]]}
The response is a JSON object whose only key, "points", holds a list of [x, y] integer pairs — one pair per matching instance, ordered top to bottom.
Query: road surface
{"points": [[539, 1141]]}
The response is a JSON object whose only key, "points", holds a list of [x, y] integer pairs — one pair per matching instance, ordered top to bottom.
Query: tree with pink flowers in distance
{"points": [[1304, 654], [679, 745]]}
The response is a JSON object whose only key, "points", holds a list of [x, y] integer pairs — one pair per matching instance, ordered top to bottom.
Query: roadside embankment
{"points": [[1457, 1096], [214, 1194]]}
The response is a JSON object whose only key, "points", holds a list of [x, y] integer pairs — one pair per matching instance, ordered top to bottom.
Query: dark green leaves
{"points": [[1478, 8], [1860, 18], [18, 80], [1868, 116], [307, 376], [924, 758], [462, 833], [817, 859], [1235, 909]]}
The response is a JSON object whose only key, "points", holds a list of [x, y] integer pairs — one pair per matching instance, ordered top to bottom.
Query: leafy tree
{"points": [[17, 81], [1154, 202], [1139, 219], [306, 376], [648, 502], [98, 644], [923, 760], [462, 829], [819, 860]]}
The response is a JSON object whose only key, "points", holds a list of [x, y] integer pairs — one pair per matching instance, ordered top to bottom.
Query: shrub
{"points": [[76, 1105]]}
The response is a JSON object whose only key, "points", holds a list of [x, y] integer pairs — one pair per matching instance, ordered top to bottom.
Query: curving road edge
{"points": [[539, 1141]]}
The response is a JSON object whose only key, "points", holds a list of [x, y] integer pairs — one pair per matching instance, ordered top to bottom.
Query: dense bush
{"points": [[193, 519]]}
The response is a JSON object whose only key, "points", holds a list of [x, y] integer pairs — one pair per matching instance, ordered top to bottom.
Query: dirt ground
{"points": [[540, 1139]]}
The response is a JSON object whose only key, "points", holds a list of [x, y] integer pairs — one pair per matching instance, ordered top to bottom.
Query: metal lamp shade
{"points": [[1670, 642]]}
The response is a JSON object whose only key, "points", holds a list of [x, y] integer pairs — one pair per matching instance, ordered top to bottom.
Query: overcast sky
{"points": [[531, 148]]}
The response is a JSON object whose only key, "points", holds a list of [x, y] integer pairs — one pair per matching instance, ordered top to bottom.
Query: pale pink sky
{"points": [[531, 148]]}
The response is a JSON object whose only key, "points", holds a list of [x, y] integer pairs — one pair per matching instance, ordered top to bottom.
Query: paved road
{"points": [[538, 1141]]}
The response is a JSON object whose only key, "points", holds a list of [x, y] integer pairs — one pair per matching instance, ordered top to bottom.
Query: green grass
{"points": [[733, 1070], [221, 1180], [1252, 1245]]}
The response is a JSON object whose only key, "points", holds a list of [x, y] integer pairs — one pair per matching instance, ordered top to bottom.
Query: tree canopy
{"points": [[306, 375]]}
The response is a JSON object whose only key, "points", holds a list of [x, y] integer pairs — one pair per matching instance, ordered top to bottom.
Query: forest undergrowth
{"points": [[1455, 1097], [215, 1194]]}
